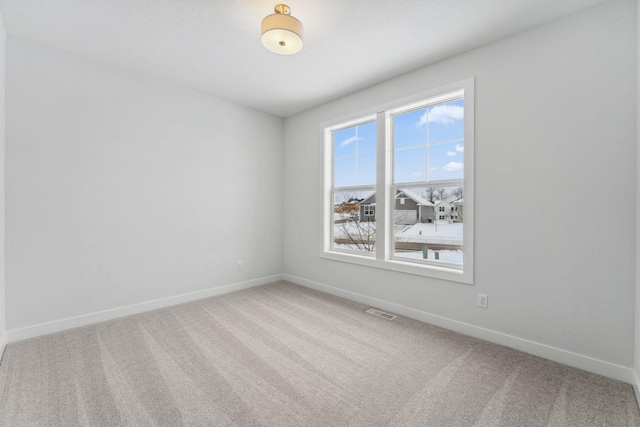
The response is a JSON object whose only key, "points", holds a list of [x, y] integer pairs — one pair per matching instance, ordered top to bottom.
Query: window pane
{"points": [[446, 121], [410, 129], [367, 139], [344, 143], [354, 155], [446, 161], [410, 165], [366, 170], [344, 172], [354, 221], [429, 224]]}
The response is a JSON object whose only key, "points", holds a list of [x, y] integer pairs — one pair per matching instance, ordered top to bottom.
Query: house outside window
{"points": [[398, 163]]}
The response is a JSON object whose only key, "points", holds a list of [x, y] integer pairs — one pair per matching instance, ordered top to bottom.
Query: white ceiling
{"points": [[214, 45]]}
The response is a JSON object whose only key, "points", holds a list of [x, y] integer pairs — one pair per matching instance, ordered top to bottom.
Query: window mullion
{"points": [[427, 142], [356, 147], [383, 180]]}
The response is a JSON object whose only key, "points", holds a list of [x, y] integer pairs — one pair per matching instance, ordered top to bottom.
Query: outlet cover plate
{"points": [[483, 300]]}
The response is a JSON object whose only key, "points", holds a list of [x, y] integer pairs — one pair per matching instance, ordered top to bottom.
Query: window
{"points": [[384, 174], [354, 177]]}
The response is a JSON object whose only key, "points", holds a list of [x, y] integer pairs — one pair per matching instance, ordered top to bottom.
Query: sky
{"points": [[428, 146]]}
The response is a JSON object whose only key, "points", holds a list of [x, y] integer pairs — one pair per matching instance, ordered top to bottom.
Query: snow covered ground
{"points": [[341, 216], [355, 229], [441, 232], [452, 257]]}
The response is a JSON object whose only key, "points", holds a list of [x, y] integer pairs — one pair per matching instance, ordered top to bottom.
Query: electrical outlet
{"points": [[239, 266], [483, 300]]}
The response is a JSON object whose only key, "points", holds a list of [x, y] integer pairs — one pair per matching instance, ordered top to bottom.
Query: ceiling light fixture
{"points": [[281, 32]]}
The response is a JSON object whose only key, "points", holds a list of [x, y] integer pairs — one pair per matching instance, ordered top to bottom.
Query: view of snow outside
{"points": [[428, 147], [354, 232], [423, 234], [442, 237]]}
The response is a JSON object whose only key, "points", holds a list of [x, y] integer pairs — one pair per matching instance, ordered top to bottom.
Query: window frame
{"points": [[329, 147], [383, 256]]}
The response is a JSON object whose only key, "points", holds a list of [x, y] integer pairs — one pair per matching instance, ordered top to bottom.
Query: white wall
{"points": [[3, 73], [555, 126], [122, 189], [637, 194]]}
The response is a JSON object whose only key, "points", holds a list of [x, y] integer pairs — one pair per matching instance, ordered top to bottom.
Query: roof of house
{"points": [[366, 201], [421, 201]]}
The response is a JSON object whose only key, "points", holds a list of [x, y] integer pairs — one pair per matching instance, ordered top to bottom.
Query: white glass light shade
{"points": [[282, 34]]}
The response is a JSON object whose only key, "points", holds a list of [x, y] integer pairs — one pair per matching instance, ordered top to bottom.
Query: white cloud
{"points": [[446, 114], [349, 141], [459, 148], [451, 153], [453, 166], [417, 174]]}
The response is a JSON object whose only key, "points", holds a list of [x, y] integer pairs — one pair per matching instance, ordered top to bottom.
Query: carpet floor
{"points": [[284, 355]]}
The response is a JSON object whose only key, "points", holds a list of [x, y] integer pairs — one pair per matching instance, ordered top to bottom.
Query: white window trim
{"points": [[383, 256]]}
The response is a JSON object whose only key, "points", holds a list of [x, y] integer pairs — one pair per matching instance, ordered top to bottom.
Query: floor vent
{"points": [[381, 314]]}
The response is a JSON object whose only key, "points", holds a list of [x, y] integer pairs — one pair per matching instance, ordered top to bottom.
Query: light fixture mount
{"points": [[283, 9], [281, 32]]}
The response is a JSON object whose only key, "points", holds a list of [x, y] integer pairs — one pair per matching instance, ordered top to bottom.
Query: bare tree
{"points": [[458, 192], [429, 193], [441, 193], [457, 205], [352, 231], [356, 234]]}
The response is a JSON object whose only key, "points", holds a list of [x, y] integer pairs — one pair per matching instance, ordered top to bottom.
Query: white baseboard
{"points": [[100, 316], [3, 344], [576, 360], [636, 386]]}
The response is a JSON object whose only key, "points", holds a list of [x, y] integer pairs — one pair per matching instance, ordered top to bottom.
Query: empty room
{"points": [[363, 213]]}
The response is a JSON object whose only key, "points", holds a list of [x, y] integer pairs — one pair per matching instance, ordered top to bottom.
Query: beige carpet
{"points": [[284, 355]]}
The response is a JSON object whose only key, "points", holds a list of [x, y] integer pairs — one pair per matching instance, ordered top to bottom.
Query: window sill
{"points": [[433, 271]]}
